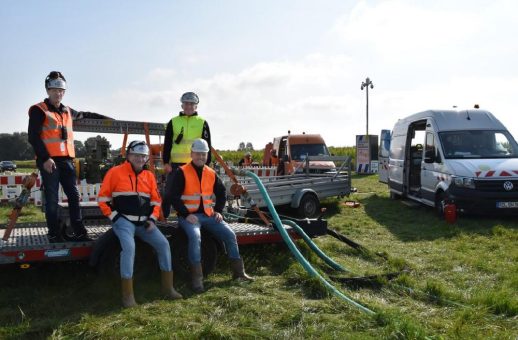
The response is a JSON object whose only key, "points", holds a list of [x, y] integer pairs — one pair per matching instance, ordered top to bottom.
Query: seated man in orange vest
{"points": [[50, 134], [193, 189], [130, 199]]}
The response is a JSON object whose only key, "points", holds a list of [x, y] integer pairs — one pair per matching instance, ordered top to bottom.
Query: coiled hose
{"points": [[305, 264]]}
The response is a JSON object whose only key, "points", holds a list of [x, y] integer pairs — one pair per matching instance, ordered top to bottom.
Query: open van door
{"points": [[383, 156]]}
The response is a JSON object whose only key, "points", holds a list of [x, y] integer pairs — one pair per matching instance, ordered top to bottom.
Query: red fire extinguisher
{"points": [[450, 212]]}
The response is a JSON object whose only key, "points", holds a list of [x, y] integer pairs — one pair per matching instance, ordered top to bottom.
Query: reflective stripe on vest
{"points": [[192, 129], [51, 132], [195, 191]]}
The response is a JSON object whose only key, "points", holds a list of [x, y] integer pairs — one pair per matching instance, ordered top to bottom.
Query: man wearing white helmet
{"points": [[180, 132], [51, 136], [194, 186], [129, 198]]}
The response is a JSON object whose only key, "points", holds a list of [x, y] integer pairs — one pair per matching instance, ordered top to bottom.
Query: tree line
{"points": [[15, 147]]}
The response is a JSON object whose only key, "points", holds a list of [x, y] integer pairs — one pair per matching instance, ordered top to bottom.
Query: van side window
{"points": [[397, 147], [430, 148]]}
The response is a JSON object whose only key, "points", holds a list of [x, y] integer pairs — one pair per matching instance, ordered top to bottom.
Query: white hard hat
{"points": [[55, 80], [190, 97], [200, 145], [138, 147]]}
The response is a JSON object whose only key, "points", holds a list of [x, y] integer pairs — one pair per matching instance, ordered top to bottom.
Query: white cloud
{"points": [[397, 27], [420, 57]]}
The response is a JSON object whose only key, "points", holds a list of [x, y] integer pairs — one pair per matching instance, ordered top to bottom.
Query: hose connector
{"points": [[238, 172]]}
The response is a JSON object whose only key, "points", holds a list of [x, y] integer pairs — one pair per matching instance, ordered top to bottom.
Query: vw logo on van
{"points": [[508, 186]]}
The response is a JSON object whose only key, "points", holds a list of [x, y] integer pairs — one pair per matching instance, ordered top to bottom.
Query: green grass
{"points": [[460, 282]]}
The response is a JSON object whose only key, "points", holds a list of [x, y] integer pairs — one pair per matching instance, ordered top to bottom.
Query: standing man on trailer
{"points": [[180, 133], [51, 136], [199, 196], [129, 198]]}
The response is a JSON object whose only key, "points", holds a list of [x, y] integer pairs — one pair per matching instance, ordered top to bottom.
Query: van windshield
{"points": [[478, 144], [299, 151]]}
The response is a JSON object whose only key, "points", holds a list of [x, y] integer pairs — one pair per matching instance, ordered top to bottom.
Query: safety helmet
{"points": [[55, 80], [190, 97], [200, 145], [137, 147]]}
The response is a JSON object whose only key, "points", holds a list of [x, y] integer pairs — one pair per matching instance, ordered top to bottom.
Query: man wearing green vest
{"points": [[180, 133]]}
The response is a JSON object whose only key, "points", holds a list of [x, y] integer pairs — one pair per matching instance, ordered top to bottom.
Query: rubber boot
{"points": [[238, 270], [197, 278], [167, 286], [128, 300]]}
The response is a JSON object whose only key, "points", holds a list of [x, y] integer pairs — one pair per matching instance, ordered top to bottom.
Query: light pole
{"points": [[366, 85]]}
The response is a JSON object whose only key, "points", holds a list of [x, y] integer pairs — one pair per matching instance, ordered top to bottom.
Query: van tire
{"points": [[440, 201], [309, 206]]}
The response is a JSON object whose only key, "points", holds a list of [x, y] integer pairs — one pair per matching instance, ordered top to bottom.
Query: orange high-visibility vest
{"points": [[51, 132], [194, 191], [135, 196]]}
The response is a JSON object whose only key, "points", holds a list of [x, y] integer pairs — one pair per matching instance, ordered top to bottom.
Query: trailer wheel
{"points": [[308, 206], [209, 253], [145, 261]]}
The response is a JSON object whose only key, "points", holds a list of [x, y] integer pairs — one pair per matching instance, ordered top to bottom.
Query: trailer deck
{"points": [[29, 243]]}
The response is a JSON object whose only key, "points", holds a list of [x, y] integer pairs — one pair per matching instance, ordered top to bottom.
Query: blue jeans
{"points": [[65, 173], [221, 230], [126, 231]]}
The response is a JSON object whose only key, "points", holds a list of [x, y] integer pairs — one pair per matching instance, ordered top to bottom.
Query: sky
{"points": [[262, 68]]}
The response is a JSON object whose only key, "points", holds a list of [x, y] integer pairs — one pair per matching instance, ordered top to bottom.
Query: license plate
{"points": [[507, 204]]}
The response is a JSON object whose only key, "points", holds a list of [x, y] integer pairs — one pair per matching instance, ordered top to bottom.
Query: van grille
{"points": [[495, 185]]}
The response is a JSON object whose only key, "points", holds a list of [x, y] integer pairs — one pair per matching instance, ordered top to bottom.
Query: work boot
{"points": [[80, 232], [81, 238], [55, 239], [238, 270], [197, 278], [167, 286], [128, 300]]}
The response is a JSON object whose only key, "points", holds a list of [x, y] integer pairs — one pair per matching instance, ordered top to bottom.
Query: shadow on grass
{"points": [[413, 223], [36, 301]]}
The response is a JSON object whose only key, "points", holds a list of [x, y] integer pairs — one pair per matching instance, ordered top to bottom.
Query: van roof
{"points": [[448, 120], [305, 139]]}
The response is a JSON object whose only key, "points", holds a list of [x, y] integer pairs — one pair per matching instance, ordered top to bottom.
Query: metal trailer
{"points": [[301, 191], [28, 242]]}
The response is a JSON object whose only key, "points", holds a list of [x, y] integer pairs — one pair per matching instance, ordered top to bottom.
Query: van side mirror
{"points": [[429, 156]]}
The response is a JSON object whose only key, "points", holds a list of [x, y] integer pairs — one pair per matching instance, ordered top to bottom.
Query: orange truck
{"points": [[289, 153]]}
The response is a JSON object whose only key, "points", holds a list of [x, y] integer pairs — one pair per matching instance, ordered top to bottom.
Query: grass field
{"points": [[460, 282]]}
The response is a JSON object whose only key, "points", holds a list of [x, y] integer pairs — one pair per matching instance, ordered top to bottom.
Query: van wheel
{"points": [[440, 202], [308, 206]]}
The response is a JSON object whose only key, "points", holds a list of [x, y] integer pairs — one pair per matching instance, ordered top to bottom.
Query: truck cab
{"points": [[290, 152], [466, 158]]}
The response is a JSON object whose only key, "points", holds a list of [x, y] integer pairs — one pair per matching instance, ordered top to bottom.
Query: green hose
{"points": [[314, 247], [305, 264]]}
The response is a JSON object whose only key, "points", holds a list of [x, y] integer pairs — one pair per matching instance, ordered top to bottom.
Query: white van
{"points": [[466, 158]]}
